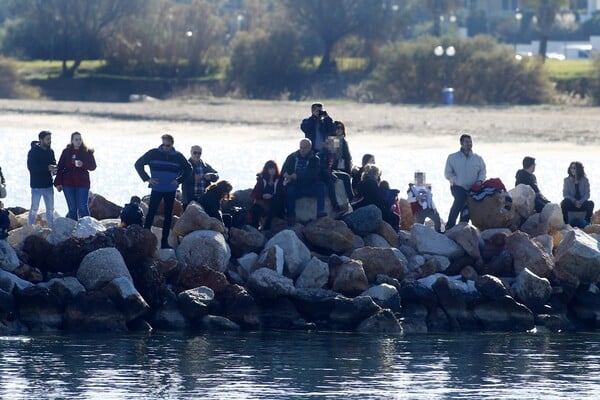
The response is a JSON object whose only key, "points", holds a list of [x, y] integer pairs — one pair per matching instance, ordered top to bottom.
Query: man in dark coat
{"points": [[317, 127], [41, 164], [301, 174], [525, 176], [201, 177]]}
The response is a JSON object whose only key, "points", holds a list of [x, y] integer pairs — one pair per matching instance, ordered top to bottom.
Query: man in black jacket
{"points": [[317, 127], [41, 164], [203, 174], [301, 177], [526, 177]]}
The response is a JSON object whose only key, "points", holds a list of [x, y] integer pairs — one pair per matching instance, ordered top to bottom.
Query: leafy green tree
{"points": [[439, 8], [545, 12], [333, 20], [72, 27]]}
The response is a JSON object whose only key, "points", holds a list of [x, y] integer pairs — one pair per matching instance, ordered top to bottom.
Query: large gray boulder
{"points": [[523, 199], [552, 217], [364, 220], [61, 230], [467, 236], [426, 240], [204, 248], [295, 253], [528, 254], [579, 255], [8, 257], [376, 261], [100, 267], [314, 275], [10, 281], [265, 283], [532, 290], [385, 295], [129, 301], [195, 303], [504, 314], [382, 322]]}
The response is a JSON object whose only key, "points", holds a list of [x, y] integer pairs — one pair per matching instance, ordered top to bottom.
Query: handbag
{"points": [[2, 191]]}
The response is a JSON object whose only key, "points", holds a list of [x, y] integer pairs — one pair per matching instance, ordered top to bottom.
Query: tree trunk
{"points": [[543, 47], [327, 64], [69, 72]]}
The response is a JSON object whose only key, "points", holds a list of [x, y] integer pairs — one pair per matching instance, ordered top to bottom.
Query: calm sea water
{"points": [[283, 365]]}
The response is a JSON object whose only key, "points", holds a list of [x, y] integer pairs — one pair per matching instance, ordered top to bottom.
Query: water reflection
{"points": [[300, 365]]}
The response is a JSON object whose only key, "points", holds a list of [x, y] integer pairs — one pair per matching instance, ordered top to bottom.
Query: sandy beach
{"points": [[239, 135]]}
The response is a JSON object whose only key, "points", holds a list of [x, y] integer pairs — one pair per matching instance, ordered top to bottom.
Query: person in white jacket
{"points": [[463, 169]]}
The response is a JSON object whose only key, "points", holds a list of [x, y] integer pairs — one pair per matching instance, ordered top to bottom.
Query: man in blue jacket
{"points": [[168, 169]]}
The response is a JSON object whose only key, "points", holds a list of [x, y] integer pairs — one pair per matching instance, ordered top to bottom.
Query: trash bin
{"points": [[448, 95]]}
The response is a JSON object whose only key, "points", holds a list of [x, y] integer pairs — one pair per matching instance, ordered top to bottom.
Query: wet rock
{"points": [[101, 208], [364, 220], [329, 234], [245, 240], [426, 240], [135, 243], [204, 248], [295, 253], [528, 254], [579, 255], [67, 256], [8, 257], [377, 261], [100, 267], [29, 273], [314, 275], [194, 276], [348, 278], [149, 281], [268, 284], [491, 287], [64, 289], [531, 290], [385, 296], [126, 297], [452, 300], [195, 303], [315, 304], [586, 304], [7, 306], [240, 307], [39, 310], [93, 311], [347, 313], [504, 314], [282, 315], [382, 322], [215, 323]]}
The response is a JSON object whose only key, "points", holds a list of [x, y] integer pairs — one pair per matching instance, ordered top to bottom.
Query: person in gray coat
{"points": [[576, 193]]}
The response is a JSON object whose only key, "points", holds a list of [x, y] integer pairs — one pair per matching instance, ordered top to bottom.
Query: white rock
{"points": [[523, 200], [86, 227], [62, 230], [427, 240], [204, 248], [295, 253], [100, 267], [314, 275]]}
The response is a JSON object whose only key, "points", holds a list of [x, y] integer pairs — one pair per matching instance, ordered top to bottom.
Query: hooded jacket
{"points": [[38, 160], [165, 166]]}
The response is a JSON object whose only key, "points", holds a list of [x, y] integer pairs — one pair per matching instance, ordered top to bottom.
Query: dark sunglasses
{"points": [[197, 153]]}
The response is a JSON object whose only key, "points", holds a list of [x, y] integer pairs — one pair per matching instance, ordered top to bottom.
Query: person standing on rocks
{"points": [[317, 127], [41, 164], [168, 169], [463, 169], [203, 174], [73, 176], [525, 176]]}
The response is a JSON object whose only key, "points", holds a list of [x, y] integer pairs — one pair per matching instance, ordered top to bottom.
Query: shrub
{"points": [[265, 65], [481, 72], [595, 82], [10, 83]]}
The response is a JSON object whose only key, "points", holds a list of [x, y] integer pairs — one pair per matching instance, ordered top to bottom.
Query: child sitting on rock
{"points": [[421, 201], [132, 213], [4, 222]]}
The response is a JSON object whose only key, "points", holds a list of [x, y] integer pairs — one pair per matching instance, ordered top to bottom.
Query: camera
{"points": [[322, 114]]}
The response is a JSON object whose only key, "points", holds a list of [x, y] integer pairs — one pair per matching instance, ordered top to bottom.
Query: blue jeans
{"points": [[295, 191], [36, 195], [77, 201]]}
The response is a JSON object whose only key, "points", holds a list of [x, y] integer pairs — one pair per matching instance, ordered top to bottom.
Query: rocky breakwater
{"points": [[353, 274]]}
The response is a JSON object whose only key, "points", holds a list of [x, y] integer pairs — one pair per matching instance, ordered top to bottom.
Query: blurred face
{"points": [[316, 111], [339, 130], [76, 141], [45, 142], [167, 144], [466, 145], [305, 147], [196, 152], [371, 160], [573, 170], [271, 171]]}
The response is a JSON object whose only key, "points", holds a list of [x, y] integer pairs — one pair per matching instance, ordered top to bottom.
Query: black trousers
{"points": [[155, 198], [459, 205], [567, 205]]}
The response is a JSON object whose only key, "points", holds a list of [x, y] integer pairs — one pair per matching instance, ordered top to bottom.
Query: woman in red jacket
{"points": [[73, 176], [267, 195]]}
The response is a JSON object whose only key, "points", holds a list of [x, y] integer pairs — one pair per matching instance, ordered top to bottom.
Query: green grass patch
{"points": [[569, 69]]}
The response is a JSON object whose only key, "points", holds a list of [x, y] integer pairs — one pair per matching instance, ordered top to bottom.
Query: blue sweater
{"points": [[165, 166]]}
